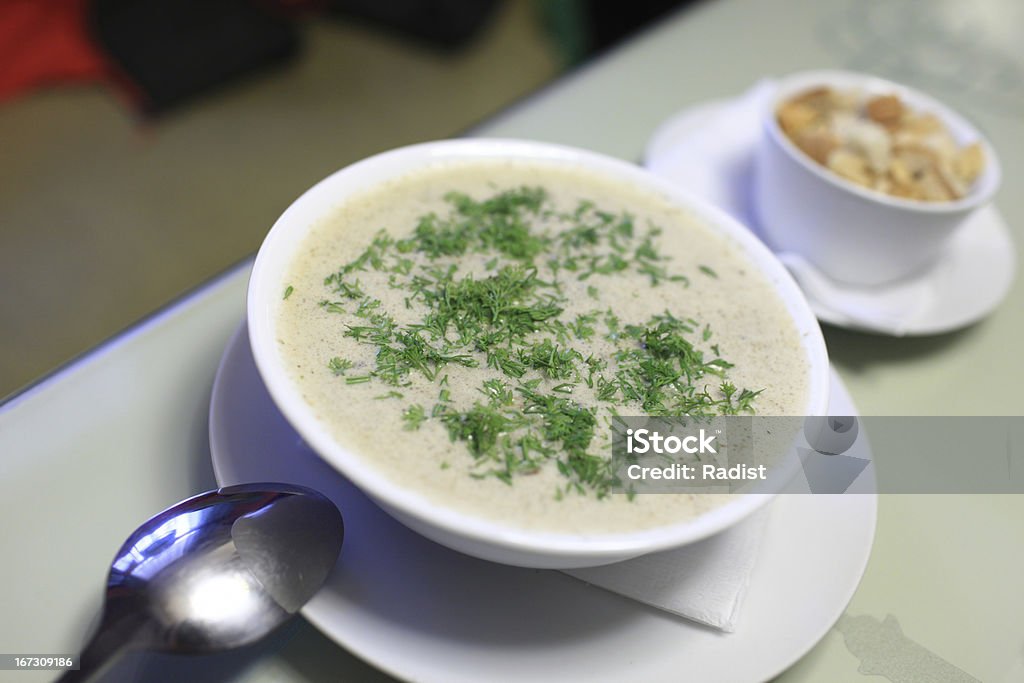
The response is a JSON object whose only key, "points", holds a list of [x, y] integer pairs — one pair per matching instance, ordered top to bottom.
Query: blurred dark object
{"points": [[610, 22], [448, 24], [582, 29], [44, 42], [174, 50], [158, 54]]}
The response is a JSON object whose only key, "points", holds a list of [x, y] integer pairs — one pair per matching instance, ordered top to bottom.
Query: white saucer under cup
{"points": [[709, 148], [420, 611]]}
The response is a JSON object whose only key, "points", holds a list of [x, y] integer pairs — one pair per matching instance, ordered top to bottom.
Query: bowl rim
{"points": [[983, 189], [289, 231]]}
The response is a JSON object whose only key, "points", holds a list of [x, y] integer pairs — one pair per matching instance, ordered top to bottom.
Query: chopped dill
{"points": [[339, 365], [548, 378], [413, 416]]}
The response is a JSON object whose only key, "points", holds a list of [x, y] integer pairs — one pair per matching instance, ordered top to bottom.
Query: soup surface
{"points": [[471, 328]]}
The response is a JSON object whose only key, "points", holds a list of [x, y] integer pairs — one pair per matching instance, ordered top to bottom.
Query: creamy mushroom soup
{"points": [[470, 329]]}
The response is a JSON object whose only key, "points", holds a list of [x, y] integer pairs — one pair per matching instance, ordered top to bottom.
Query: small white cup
{"points": [[851, 233]]}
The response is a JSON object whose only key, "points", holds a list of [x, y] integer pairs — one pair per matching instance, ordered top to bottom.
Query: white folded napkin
{"points": [[894, 306], [704, 581]]}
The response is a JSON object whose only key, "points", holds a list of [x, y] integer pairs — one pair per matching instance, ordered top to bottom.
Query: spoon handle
{"points": [[111, 640]]}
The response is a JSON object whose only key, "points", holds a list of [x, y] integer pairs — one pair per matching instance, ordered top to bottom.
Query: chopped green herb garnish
{"points": [[288, 291], [339, 365], [548, 377], [413, 416]]}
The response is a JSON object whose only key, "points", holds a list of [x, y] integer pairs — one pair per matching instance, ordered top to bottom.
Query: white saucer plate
{"points": [[970, 280], [420, 611]]}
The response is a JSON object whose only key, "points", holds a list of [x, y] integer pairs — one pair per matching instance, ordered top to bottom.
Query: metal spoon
{"points": [[217, 571]]}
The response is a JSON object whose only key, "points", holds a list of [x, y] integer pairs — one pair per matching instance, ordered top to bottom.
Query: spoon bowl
{"points": [[217, 571]]}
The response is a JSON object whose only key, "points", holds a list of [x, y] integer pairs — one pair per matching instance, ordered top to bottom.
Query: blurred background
{"points": [[146, 145]]}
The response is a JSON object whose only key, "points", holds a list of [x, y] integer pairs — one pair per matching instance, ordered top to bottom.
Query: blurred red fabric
{"points": [[44, 42]]}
